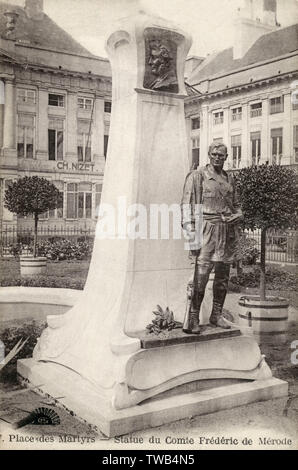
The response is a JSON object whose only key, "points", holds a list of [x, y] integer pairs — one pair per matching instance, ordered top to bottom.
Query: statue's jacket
{"points": [[208, 198]]}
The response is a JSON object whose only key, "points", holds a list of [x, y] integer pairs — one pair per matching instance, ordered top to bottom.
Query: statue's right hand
{"points": [[188, 227], [189, 235]]}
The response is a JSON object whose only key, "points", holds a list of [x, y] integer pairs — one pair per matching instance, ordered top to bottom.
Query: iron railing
{"points": [[12, 236], [281, 246]]}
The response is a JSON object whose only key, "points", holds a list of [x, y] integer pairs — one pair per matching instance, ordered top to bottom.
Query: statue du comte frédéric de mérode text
{"points": [[210, 220]]}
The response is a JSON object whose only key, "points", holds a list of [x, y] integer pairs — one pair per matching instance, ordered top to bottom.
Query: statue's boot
{"points": [[201, 279], [220, 287], [195, 315], [217, 318], [192, 326]]}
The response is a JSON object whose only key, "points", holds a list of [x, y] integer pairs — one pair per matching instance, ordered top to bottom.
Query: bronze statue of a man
{"points": [[213, 189]]}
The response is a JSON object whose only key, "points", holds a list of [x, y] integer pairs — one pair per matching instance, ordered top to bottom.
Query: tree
{"points": [[32, 195], [268, 195]]}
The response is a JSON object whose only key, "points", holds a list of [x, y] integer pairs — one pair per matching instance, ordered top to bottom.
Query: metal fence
{"points": [[12, 236], [281, 246]]}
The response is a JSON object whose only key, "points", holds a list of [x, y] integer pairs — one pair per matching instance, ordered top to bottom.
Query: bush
{"points": [[32, 195], [268, 197], [58, 249], [65, 249], [247, 251], [276, 279], [44, 281], [10, 337]]}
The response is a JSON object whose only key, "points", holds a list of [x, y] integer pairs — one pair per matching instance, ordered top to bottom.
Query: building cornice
{"points": [[62, 51], [17, 61], [247, 67], [63, 72], [241, 88]]}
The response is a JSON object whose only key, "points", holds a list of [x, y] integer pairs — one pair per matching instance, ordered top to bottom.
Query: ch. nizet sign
{"points": [[77, 166]]}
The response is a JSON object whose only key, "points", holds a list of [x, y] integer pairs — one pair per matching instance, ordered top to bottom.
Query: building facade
{"points": [[245, 96], [54, 114]]}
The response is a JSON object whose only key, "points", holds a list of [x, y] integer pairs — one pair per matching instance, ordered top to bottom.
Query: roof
{"points": [[40, 32], [277, 43], [190, 90]]}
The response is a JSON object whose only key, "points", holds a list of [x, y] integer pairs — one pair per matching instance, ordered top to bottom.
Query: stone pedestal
{"points": [[94, 355], [176, 377]]}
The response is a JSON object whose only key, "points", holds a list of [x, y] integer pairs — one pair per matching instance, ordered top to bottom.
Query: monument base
{"points": [[191, 399]]}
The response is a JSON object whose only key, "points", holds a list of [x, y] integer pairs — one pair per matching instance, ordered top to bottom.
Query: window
{"points": [[25, 96], [56, 100], [85, 103], [277, 105], [107, 106], [294, 106], [255, 110], [237, 114], [218, 117], [195, 123], [26, 131], [55, 139], [84, 141], [195, 143], [296, 143], [105, 145], [276, 145], [255, 146], [236, 150], [98, 190], [71, 201], [79, 201], [85, 201], [55, 213], [58, 213], [6, 214]]}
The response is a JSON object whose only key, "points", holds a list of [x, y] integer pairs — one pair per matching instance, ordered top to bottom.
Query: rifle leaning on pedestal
{"points": [[187, 321]]}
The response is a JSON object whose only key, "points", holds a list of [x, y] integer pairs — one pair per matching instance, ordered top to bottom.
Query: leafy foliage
{"points": [[32, 195], [268, 196], [58, 249], [65, 249], [247, 251], [276, 279], [44, 281], [164, 320], [31, 330], [10, 337]]}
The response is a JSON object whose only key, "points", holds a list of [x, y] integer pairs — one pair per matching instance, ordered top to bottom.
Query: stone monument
{"points": [[97, 356]]}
